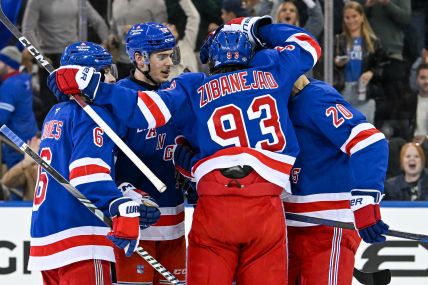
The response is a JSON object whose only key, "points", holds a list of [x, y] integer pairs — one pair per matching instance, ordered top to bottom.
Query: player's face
{"points": [[288, 14], [353, 20], [160, 65], [108, 76], [422, 80], [412, 161]]}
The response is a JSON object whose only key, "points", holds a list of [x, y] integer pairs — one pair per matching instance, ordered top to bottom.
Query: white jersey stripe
{"points": [[305, 45], [160, 103], [7, 107], [146, 113], [368, 141], [87, 161], [224, 161], [90, 178], [317, 197], [342, 215], [103, 231], [163, 232], [71, 255]]}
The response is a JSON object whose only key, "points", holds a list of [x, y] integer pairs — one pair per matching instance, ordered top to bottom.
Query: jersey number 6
{"points": [[236, 132], [42, 179]]}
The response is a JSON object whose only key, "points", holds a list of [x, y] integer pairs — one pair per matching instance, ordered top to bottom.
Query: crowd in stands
{"points": [[380, 66]]}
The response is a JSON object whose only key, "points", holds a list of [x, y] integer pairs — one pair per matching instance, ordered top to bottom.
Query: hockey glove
{"points": [[249, 26], [74, 79], [51, 82], [183, 154], [365, 205], [149, 209], [125, 232]]}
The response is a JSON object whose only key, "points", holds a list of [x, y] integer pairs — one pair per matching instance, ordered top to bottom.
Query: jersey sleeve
{"points": [[289, 37], [7, 102], [143, 109], [347, 129], [91, 162]]}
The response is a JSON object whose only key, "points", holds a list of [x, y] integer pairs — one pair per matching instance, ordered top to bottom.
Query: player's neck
{"points": [[141, 77]]}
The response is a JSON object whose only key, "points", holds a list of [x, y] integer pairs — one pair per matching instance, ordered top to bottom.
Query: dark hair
{"points": [[420, 67]]}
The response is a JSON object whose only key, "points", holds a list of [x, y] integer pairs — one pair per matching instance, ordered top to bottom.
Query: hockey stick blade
{"points": [[87, 108], [88, 204], [350, 226], [382, 277]]}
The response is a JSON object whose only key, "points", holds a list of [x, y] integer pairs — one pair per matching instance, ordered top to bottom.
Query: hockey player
{"points": [[151, 49], [246, 144], [340, 177], [68, 242]]}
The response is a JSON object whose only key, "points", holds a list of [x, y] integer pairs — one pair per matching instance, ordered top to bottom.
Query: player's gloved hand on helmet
{"points": [[250, 26], [204, 51], [74, 79], [51, 82], [182, 159], [149, 209], [368, 221], [125, 232]]}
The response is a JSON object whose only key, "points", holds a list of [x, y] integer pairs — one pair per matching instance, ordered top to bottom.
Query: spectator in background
{"points": [[261, 7], [232, 9], [287, 12], [126, 13], [389, 19], [51, 25], [186, 42], [358, 56], [423, 58], [16, 102], [419, 121], [21, 178], [412, 184]]}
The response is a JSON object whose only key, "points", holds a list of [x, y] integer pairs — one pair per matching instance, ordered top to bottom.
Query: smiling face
{"points": [[287, 13], [353, 20], [411, 161]]}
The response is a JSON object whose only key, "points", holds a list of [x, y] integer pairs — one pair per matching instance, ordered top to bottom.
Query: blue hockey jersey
{"points": [[16, 111], [239, 117], [155, 147], [339, 151], [64, 231]]}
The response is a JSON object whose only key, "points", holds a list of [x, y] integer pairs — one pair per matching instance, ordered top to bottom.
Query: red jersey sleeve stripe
{"points": [[155, 110], [359, 138], [88, 170], [315, 206], [170, 220]]}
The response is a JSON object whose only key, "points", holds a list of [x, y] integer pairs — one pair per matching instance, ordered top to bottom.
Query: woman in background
{"points": [[357, 59], [412, 184]]}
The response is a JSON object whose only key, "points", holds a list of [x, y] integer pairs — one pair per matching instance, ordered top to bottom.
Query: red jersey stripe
{"points": [[312, 42], [153, 108], [360, 137], [272, 163], [88, 170], [316, 206], [170, 220], [82, 240]]}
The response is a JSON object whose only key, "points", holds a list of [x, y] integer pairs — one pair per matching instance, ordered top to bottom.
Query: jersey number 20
{"points": [[236, 132]]}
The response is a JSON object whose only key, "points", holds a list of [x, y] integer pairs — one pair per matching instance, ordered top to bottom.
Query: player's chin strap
{"points": [[146, 74]]}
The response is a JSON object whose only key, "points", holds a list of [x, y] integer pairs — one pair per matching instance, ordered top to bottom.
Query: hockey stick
{"points": [[88, 109], [79, 196], [350, 226], [381, 277]]}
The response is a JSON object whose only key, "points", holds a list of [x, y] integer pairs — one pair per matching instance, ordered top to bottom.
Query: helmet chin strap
{"points": [[146, 74]]}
